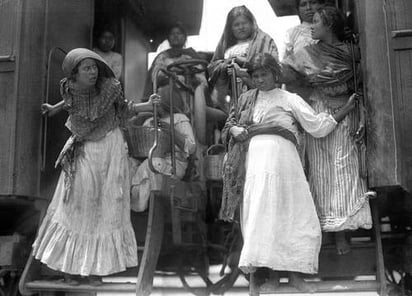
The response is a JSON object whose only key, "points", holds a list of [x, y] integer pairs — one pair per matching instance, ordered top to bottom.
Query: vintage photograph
{"points": [[205, 147]]}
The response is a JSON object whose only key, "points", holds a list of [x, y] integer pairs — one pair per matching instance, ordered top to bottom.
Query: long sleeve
{"points": [[288, 44], [158, 63], [317, 124]]}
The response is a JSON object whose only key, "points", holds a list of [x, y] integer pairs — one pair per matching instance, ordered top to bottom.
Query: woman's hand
{"points": [[240, 60], [233, 67], [240, 72], [154, 99], [352, 100], [348, 107], [45, 109], [164, 125], [238, 133], [360, 133]]}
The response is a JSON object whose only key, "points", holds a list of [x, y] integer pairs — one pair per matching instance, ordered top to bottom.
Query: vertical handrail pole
{"points": [[234, 85], [154, 98], [172, 127]]}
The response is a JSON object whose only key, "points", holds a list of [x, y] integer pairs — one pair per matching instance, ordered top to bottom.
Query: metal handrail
{"points": [[235, 94], [154, 97], [46, 100], [155, 100]]}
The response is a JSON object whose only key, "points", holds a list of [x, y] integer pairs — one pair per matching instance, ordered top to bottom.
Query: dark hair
{"points": [[321, 2], [298, 3], [231, 16], [333, 18], [177, 25], [265, 61], [76, 70], [164, 93]]}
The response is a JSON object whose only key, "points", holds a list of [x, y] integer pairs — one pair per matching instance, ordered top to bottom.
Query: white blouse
{"points": [[297, 38], [238, 50], [287, 109]]}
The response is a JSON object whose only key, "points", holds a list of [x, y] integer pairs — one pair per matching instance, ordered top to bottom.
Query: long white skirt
{"points": [[279, 223], [91, 233]]}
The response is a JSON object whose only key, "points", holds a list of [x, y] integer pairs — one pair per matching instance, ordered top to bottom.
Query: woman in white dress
{"points": [[263, 173], [87, 230]]}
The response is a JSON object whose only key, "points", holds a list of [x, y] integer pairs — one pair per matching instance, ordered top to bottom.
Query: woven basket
{"points": [[140, 140], [213, 162]]}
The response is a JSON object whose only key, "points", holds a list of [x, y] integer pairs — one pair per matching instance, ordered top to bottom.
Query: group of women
{"points": [[282, 210]]}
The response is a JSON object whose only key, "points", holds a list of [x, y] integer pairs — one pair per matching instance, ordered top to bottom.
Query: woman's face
{"points": [[307, 9], [242, 28], [319, 30], [177, 38], [106, 41], [87, 74], [264, 80]]}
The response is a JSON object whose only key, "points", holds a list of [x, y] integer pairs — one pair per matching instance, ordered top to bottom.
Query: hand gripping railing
{"points": [[185, 68], [235, 94], [155, 98]]}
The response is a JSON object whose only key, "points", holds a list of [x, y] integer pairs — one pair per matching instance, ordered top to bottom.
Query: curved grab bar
{"points": [[155, 98], [156, 101], [172, 127], [43, 162]]}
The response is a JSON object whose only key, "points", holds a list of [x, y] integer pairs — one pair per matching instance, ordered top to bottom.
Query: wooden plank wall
{"points": [[69, 24], [399, 27], [8, 29], [28, 30], [385, 30], [21, 80], [382, 139]]}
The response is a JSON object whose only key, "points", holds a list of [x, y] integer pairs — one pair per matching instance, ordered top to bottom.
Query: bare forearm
{"points": [[142, 107], [56, 108], [341, 113]]}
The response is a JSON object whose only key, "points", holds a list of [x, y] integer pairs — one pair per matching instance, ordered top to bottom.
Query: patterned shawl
{"points": [[260, 43], [321, 64], [93, 112]]}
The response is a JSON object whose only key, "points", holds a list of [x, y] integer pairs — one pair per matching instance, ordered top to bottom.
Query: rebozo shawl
{"points": [[260, 43], [321, 64], [92, 113], [234, 170]]}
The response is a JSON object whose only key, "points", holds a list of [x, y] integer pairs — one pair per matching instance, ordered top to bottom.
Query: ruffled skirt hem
{"points": [[359, 218], [71, 252]]}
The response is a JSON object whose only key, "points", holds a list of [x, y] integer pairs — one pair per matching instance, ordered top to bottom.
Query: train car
{"points": [[35, 36]]}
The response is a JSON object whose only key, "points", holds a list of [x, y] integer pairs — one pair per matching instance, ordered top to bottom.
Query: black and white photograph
{"points": [[205, 147]]}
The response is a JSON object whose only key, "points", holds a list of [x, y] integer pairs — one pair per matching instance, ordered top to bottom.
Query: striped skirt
{"points": [[335, 182]]}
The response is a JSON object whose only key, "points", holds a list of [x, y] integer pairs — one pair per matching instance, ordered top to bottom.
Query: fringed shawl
{"points": [[92, 113]]}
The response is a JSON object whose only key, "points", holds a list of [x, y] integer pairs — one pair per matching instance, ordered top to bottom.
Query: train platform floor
{"points": [[166, 284]]}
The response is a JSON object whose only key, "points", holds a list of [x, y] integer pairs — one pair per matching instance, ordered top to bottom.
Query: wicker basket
{"points": [[140, 140], [213, 162]]}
